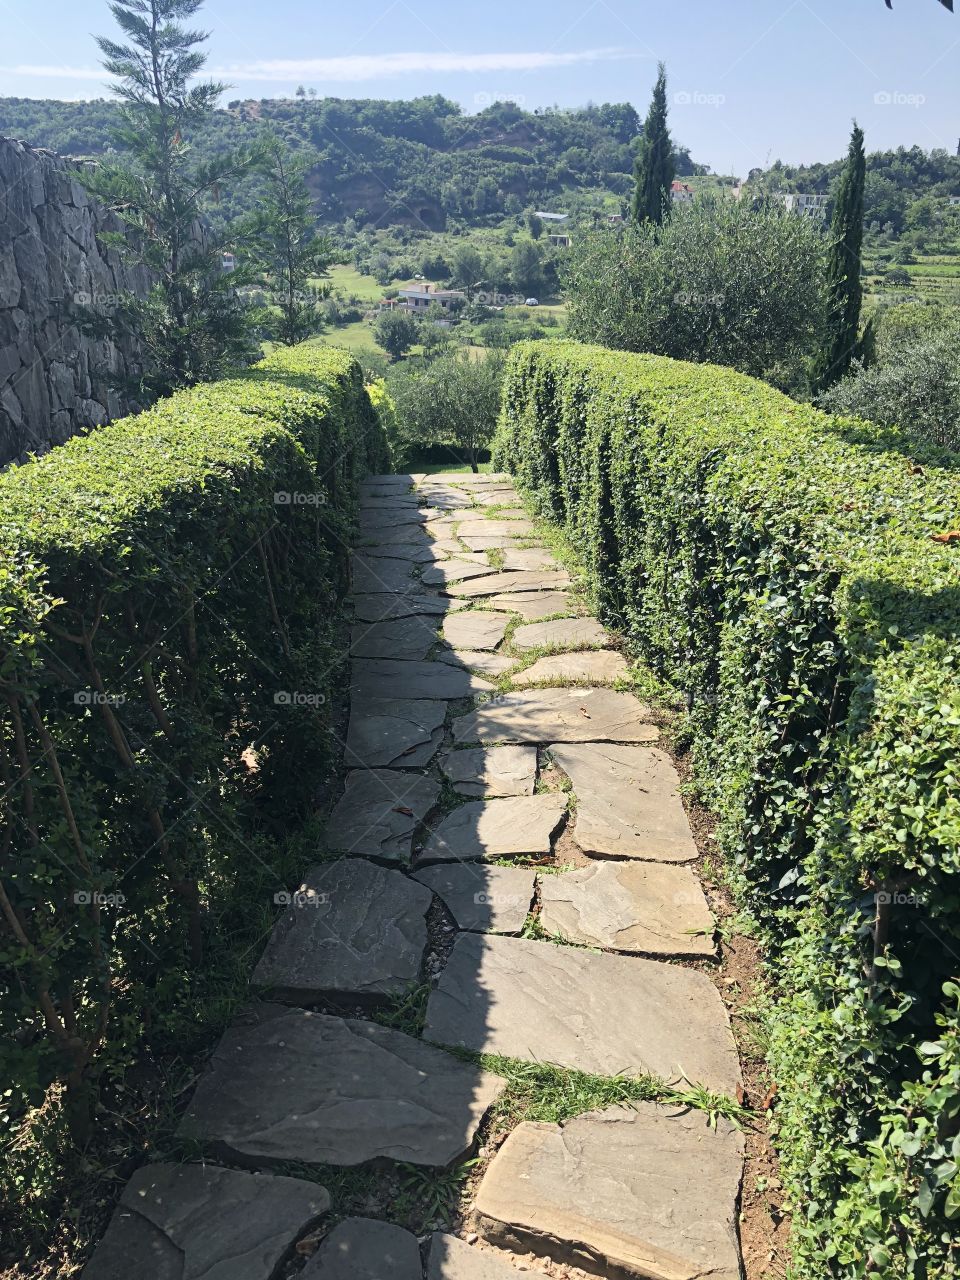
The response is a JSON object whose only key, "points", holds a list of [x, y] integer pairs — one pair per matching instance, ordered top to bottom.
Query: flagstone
{"points": [[483, 527], [490, 541], [416, 553], [528, 558], [456, 571], [373, 574], [497, 583], [533, 605], [380, 607], [475, 629], [566, 633], [409, 638], [488, 664], [598, 666], [392, 677], [560, 715], [387, 731], [492, 771], [628, 801], [378, 813], [496, 829], [482, 899], [629, 906], [352, 929], [586, 1010], [289, 1085], [643, 1191], [186, 1221], [366, 1249], [454, 1259]]}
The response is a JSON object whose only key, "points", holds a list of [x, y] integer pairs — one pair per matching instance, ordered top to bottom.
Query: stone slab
{"points": [[389, 501], [375, 519], [481, 527], [414, 534], [490, 541], [416, 553], [528, 558], [457, 570], [373, 574], [497, 583], [532, 605], [382, 607], [475, 629], [560, 633], [407, 638], [492, 665], [595, 666], [392, 677], [558, 715], [387, 731], [492, 771], [628, 801], [378, 813], [486, 829], [483, 899], [639, 907], [354, 929], [604, 1014], [291, 1085], [648, 1192], [193, 1221], [366, 1249], [454, 1259]]}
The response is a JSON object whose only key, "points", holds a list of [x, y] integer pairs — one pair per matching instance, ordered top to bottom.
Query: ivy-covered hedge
{"points": [[794, 576], [169, 601]]}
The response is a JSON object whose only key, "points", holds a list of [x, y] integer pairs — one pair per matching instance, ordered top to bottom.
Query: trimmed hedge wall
{"points": [[790, 573], [169, 596]]}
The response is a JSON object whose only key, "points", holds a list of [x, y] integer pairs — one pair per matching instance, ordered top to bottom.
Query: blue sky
{"points": [[750, 80]]}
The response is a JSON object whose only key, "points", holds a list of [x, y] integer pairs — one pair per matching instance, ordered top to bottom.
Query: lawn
{"points": [[352, 284]]}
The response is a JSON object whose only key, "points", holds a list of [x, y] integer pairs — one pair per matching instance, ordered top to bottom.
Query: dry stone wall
{"points": [[56, 377]]}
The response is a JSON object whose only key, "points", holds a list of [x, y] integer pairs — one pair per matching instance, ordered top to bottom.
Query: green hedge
{"points": [[783, 570], [169, 597]]}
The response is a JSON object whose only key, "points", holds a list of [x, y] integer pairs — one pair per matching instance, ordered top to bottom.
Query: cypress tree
{"points": [[653, 170], [844, 288]]}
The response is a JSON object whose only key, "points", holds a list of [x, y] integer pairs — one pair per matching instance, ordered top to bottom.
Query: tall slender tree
{"points": [[654, 170], [285, 249], [844, 286], [191, 324]]}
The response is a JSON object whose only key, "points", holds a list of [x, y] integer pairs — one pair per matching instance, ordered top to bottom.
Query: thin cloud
{"points": [[359, 67]]}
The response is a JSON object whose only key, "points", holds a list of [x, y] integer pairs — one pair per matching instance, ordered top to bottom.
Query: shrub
{"points": [[717, 282], [914, 382], [451, 401], [795, 576], [169, 598]]}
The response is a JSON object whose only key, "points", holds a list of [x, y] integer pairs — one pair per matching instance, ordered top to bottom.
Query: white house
{"points": [[681, 193], [811, 206], [417, 297]]}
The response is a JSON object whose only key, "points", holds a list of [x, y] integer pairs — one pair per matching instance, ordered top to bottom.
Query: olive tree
{"points": [[719, 282]]}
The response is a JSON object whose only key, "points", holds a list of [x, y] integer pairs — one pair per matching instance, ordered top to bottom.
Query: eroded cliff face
{"points": [[56, 378]]}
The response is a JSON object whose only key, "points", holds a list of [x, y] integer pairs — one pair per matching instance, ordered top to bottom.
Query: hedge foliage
{"points": [[791, 574], [169, 597]]}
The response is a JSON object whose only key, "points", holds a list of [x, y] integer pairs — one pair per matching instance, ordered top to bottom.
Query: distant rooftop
{"points": [[552, 217]]}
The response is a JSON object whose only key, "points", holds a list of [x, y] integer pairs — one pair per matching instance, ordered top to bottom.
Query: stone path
{"points": [[509, 840]]}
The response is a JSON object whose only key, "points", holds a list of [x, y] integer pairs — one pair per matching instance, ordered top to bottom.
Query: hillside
{"points": [[412, 162]]}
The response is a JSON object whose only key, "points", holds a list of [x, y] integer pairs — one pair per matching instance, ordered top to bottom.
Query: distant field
{"points": [[354, 285]]}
